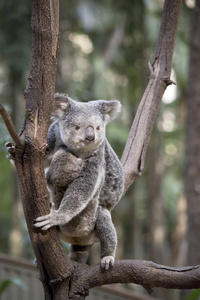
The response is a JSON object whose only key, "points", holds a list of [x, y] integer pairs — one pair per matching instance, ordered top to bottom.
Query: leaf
{"points": [[4, 285]]}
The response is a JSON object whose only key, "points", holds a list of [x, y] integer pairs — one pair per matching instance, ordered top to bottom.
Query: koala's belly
{"points": [[78, 226], [79, 231], [88, 239]]}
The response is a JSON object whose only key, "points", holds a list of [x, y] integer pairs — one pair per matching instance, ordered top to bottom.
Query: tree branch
{"points": [[11, 129], [135, 150], [145, 273]]}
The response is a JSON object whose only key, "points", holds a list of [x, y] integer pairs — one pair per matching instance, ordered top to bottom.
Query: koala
{"points": [[84, 176]]}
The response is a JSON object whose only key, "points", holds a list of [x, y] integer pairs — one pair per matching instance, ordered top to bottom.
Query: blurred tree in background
{"points": [[15, 41], [104, 50]]}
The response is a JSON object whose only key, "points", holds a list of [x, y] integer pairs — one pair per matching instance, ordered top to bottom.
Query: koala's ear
{"points": [[61, 105], [110, 109]]}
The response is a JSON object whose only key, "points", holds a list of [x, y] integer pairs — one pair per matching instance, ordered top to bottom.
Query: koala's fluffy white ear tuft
{"points": [[60, 105], [110, 109]]}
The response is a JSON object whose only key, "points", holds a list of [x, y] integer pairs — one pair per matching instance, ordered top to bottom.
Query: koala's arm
{"points": [[112, 189], [78, 194]]}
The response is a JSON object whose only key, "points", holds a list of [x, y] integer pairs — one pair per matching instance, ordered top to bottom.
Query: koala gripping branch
{"points": [[144, 273]]}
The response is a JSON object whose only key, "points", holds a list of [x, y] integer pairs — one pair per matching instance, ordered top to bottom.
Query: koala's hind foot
{"points": [[107, 235], [79, 253], [107, 262]]}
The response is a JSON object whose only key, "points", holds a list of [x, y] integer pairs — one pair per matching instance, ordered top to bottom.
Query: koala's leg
{"points": [[107, 235], [79, 253]]}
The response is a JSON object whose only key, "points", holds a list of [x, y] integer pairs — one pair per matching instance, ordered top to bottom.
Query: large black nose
{"points": [[89, 133]]}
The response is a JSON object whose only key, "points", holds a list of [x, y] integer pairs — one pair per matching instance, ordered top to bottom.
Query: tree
{"points": [[12, 21], [61, 277]]}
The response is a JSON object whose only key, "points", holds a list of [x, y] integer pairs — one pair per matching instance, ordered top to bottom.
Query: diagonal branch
{"points": [[9, 124], [135, 150]]}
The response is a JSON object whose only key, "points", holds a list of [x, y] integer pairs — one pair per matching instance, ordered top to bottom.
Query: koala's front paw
{"points": [[11, 150], [47, 221], [107, 261]]}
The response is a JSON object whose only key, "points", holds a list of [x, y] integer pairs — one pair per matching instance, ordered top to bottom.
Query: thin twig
{"points": [[9, 124]]}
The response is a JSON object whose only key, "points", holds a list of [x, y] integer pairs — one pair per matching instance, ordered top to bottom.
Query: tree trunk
{"points": [[39, 94], [192, 166], [156, 219], [158, 247]]}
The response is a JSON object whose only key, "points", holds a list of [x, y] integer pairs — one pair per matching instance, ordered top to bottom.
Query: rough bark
{"points": [[192, 167], [63, 279]]}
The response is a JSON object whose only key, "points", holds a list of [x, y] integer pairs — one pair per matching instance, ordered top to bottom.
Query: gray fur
{"points": [[84, 176]]}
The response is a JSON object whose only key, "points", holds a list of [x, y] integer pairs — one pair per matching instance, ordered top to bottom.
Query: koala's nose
{"points": [[89, 133]]}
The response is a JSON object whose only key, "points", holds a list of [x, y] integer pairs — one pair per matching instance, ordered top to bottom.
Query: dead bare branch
{"points": [[11, 129], [135, 150]]}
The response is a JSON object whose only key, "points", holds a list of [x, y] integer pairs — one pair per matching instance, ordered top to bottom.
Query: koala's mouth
{"points": [[89, 141], [84, 143], [84, 148]]}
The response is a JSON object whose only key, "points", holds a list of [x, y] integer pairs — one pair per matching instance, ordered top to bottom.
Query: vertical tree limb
{"points": [[39, 94]]}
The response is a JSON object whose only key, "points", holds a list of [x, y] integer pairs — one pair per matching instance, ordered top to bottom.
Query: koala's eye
{"points": [[77, 127], [98, 128]]}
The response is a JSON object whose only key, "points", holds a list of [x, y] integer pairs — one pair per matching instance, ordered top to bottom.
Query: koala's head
{"points": [[82, 124]]}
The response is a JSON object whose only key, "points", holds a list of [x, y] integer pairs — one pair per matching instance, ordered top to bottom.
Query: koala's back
{"points": [[54, 142], [112, 189]]}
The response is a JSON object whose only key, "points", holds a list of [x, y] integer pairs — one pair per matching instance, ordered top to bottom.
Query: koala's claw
{"points": [[11, 150], [47, 221], [107, 261]]}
